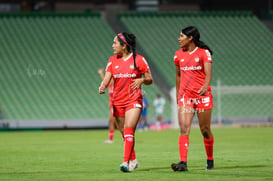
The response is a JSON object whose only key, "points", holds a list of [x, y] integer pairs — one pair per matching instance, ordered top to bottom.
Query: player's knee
{"points": [[184, 130], [205, 132]]}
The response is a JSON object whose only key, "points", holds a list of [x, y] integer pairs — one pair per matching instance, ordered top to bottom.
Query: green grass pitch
{"points": [[239, 153]]}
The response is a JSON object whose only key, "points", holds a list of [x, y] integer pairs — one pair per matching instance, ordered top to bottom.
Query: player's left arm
{"points": [[208, 73], [147, 79]]}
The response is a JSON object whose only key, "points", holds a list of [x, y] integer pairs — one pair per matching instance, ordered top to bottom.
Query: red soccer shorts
{"points": [[201, 103], [119, 111]]}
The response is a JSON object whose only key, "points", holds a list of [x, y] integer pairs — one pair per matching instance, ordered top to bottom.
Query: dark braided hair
{"points": [[193, 31], [131, 40]]}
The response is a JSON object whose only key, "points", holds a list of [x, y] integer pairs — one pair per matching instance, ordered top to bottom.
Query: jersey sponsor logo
{"points": [[196, 59], [132, 67], [186, 68], [120, 75]]}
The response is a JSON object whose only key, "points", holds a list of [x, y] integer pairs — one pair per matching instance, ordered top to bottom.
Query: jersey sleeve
{"points": [[206, 56], [176, 61], [109, 65], [143, 65]]}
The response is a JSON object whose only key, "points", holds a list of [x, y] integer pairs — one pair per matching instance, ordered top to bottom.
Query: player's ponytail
{"points": [[193, 31], [130, 41], [134, 56]]}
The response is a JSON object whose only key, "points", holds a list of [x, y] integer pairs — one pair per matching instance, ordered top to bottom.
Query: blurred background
{"points": [[50, 52]]}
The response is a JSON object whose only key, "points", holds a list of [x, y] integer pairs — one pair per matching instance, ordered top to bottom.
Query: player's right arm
{"points": [[177, 74], [107, 77], [106, 81], [177, 81]]}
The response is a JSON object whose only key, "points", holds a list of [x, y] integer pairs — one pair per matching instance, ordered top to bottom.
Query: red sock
{"points": [[111, 134], [129, 142], [183, 147], [209, 147], [133, 154]]}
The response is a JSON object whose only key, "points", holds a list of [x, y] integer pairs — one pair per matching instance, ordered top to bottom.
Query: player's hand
{"points": [[100, 71], [136, 83], [102, 88], [203, 91]]}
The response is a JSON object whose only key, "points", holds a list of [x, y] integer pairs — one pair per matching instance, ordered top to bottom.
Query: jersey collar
{"points": [[193, 50], [128, 57]]}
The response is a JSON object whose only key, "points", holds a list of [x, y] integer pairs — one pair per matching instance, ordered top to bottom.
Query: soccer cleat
{"points": [[108, 142], [133, 165], [210, 165], [181, 166], [124, 167]]}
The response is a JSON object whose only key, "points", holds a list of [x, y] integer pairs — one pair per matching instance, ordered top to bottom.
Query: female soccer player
{"points": [[128, 71], [193, 76], [112, 121]]}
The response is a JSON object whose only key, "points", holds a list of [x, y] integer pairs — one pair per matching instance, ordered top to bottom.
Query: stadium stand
{"points": [[228, 34], [242, 48], [49, 61], [49, 65]]}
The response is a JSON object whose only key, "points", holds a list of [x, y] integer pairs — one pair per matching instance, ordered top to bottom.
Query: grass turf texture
{"points": [[240, 154]]}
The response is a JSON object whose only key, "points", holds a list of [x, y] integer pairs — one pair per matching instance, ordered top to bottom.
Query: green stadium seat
{"points": [[240, 42], [49, 66]]}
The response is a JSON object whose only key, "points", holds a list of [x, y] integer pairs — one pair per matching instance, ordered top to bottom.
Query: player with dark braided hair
{"points": [[129, 71], [193, 75]]}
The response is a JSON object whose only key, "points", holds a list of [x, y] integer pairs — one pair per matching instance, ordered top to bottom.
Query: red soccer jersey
{"points": [[123, 72], [192, 74]]}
